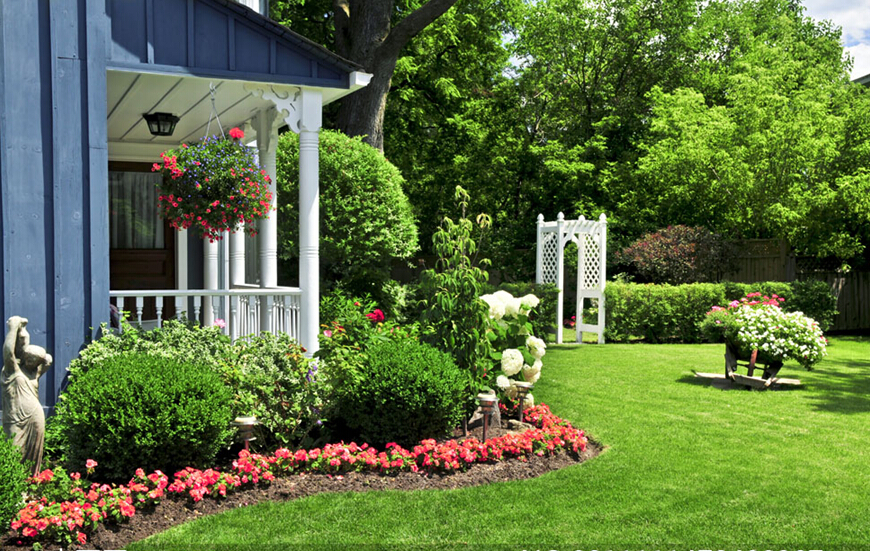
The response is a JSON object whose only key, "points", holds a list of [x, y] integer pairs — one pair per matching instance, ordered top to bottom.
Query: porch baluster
{"points": [[140, 303], [158, 303], [197, 306]]}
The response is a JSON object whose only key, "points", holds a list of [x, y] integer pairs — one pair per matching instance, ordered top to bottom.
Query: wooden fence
{"points": [[771, 260]]}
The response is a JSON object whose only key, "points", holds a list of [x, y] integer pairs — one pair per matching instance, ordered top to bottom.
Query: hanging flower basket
{"points": [[213, 186]]}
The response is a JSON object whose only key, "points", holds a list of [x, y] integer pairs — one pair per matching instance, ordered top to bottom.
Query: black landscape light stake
{"points": [[523, 389], [488, 403], [246, 429]]}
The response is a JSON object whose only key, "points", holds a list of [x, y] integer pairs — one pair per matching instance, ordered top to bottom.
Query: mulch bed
{"points": [[174, 510]]}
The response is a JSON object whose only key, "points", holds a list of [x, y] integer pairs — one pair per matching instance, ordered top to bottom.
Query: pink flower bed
{"points": [[69, 521]]}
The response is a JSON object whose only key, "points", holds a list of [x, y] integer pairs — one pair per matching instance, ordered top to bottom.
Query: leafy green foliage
{"points": [[366, 220], [680, 254], [672, 313], [455, 318], [348, 333], [267, 375], [273, 381], [408, 391], [140, 410], [14, 476]]}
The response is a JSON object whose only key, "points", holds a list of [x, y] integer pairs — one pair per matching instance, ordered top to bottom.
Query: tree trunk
{"points": [[364, 34], [362, 113]]}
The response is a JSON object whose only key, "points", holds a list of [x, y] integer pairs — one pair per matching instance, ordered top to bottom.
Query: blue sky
{"points": [[854, 17]]}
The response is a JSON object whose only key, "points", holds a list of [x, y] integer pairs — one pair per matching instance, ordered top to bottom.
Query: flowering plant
{"points": [[214, 186], [757, 322], [517, 351], [70, 517]]}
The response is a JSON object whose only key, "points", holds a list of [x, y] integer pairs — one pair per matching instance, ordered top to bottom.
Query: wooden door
{"points": [[142, 253]]}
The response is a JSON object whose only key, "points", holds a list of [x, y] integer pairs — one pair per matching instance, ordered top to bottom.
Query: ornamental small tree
{"points": [[679, 254], [455, 317]]}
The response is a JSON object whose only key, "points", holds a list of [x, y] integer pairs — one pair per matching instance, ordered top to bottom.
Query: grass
{"points": [[687, 467]]}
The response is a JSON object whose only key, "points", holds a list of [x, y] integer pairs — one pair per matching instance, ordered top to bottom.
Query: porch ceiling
{"points": [[131, 94]]}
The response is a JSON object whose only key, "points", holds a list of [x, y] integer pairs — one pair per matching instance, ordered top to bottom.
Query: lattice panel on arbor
{"points": [[591, 239], [550, 258], [591, 262]]}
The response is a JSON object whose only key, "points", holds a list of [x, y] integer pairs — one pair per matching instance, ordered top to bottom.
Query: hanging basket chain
{"points": [[214, 114]]}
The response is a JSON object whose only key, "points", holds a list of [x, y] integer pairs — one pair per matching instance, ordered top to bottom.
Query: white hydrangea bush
{"points": [[517, 352]]}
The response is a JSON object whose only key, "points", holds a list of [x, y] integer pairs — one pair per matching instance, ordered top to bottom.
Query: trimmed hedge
{"points": [[672, 313], [407, 391], [140, 410], [13, 481]]}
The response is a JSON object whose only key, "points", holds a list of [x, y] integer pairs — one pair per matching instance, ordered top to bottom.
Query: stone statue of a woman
{"points": [[23, 365]]}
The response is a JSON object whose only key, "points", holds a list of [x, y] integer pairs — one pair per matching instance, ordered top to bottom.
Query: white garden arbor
{"points": [[590, 236]]}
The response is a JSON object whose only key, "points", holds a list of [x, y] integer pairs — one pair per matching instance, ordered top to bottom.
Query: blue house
{"points": [[80, 230]]}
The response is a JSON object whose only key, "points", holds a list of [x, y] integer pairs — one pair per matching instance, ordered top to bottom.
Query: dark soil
{"points": [[175, 509]]}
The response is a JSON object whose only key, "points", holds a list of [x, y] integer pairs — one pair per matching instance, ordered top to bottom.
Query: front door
{"points": [[142, 245]]}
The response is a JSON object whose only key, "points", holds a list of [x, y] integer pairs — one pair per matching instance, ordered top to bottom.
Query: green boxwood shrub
{"points": [[366, 218], [672, 313], [408, 391], [141, 410], [13, 482]]}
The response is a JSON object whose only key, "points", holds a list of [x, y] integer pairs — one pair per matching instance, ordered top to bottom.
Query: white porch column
{"points": [[301, 109], [310, 110], [267, 145], [237, 257], [210, 277]]}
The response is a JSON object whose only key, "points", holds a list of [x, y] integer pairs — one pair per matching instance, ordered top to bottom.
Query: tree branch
{"points": [[411, 26]]}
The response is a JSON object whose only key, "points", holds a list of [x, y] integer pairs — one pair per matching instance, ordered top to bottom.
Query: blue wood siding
{"points": [[216, 38], [53, 172]]}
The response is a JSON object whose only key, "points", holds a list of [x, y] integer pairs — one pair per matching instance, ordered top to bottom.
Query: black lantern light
{"points": [[160, 124]]}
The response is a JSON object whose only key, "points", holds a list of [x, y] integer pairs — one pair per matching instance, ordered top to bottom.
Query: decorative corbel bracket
{"points": [[285, 98]]}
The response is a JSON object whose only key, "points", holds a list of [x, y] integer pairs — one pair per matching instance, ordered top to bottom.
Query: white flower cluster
{"points": [[504, 305], [781, 335], [513, 338], [511, 361]]}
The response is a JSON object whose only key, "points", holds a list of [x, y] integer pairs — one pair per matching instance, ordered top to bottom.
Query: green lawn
{"points": [[687, 467]]}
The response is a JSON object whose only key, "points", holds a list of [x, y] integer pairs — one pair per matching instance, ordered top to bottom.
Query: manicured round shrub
{"points": [[366, 219], [407, 391], [139, 410], [13, 481]]}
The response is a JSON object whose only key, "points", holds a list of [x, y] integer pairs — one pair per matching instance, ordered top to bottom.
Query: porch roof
{"points": [[217, 39], [164, 55]]}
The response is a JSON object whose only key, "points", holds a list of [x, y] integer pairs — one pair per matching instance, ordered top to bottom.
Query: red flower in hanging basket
{"points": [[213, 185]]}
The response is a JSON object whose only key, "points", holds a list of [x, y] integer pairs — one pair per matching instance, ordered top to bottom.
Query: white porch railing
{"points": [[245, 309]]}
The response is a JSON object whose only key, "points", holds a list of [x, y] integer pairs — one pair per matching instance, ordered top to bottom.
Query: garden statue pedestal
{"points": [[23, 365]]}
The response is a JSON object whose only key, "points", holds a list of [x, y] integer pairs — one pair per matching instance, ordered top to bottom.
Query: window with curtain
{"points": [[133, 219]]}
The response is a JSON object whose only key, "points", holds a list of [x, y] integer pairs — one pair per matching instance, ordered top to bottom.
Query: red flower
{"points": [[236, 134], [377, 316]]}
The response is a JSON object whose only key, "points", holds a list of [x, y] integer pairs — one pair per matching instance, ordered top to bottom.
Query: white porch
{"points": [[239, 283]]}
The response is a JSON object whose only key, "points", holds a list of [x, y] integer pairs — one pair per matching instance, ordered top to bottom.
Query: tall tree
{"points": [[371, 33]]}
